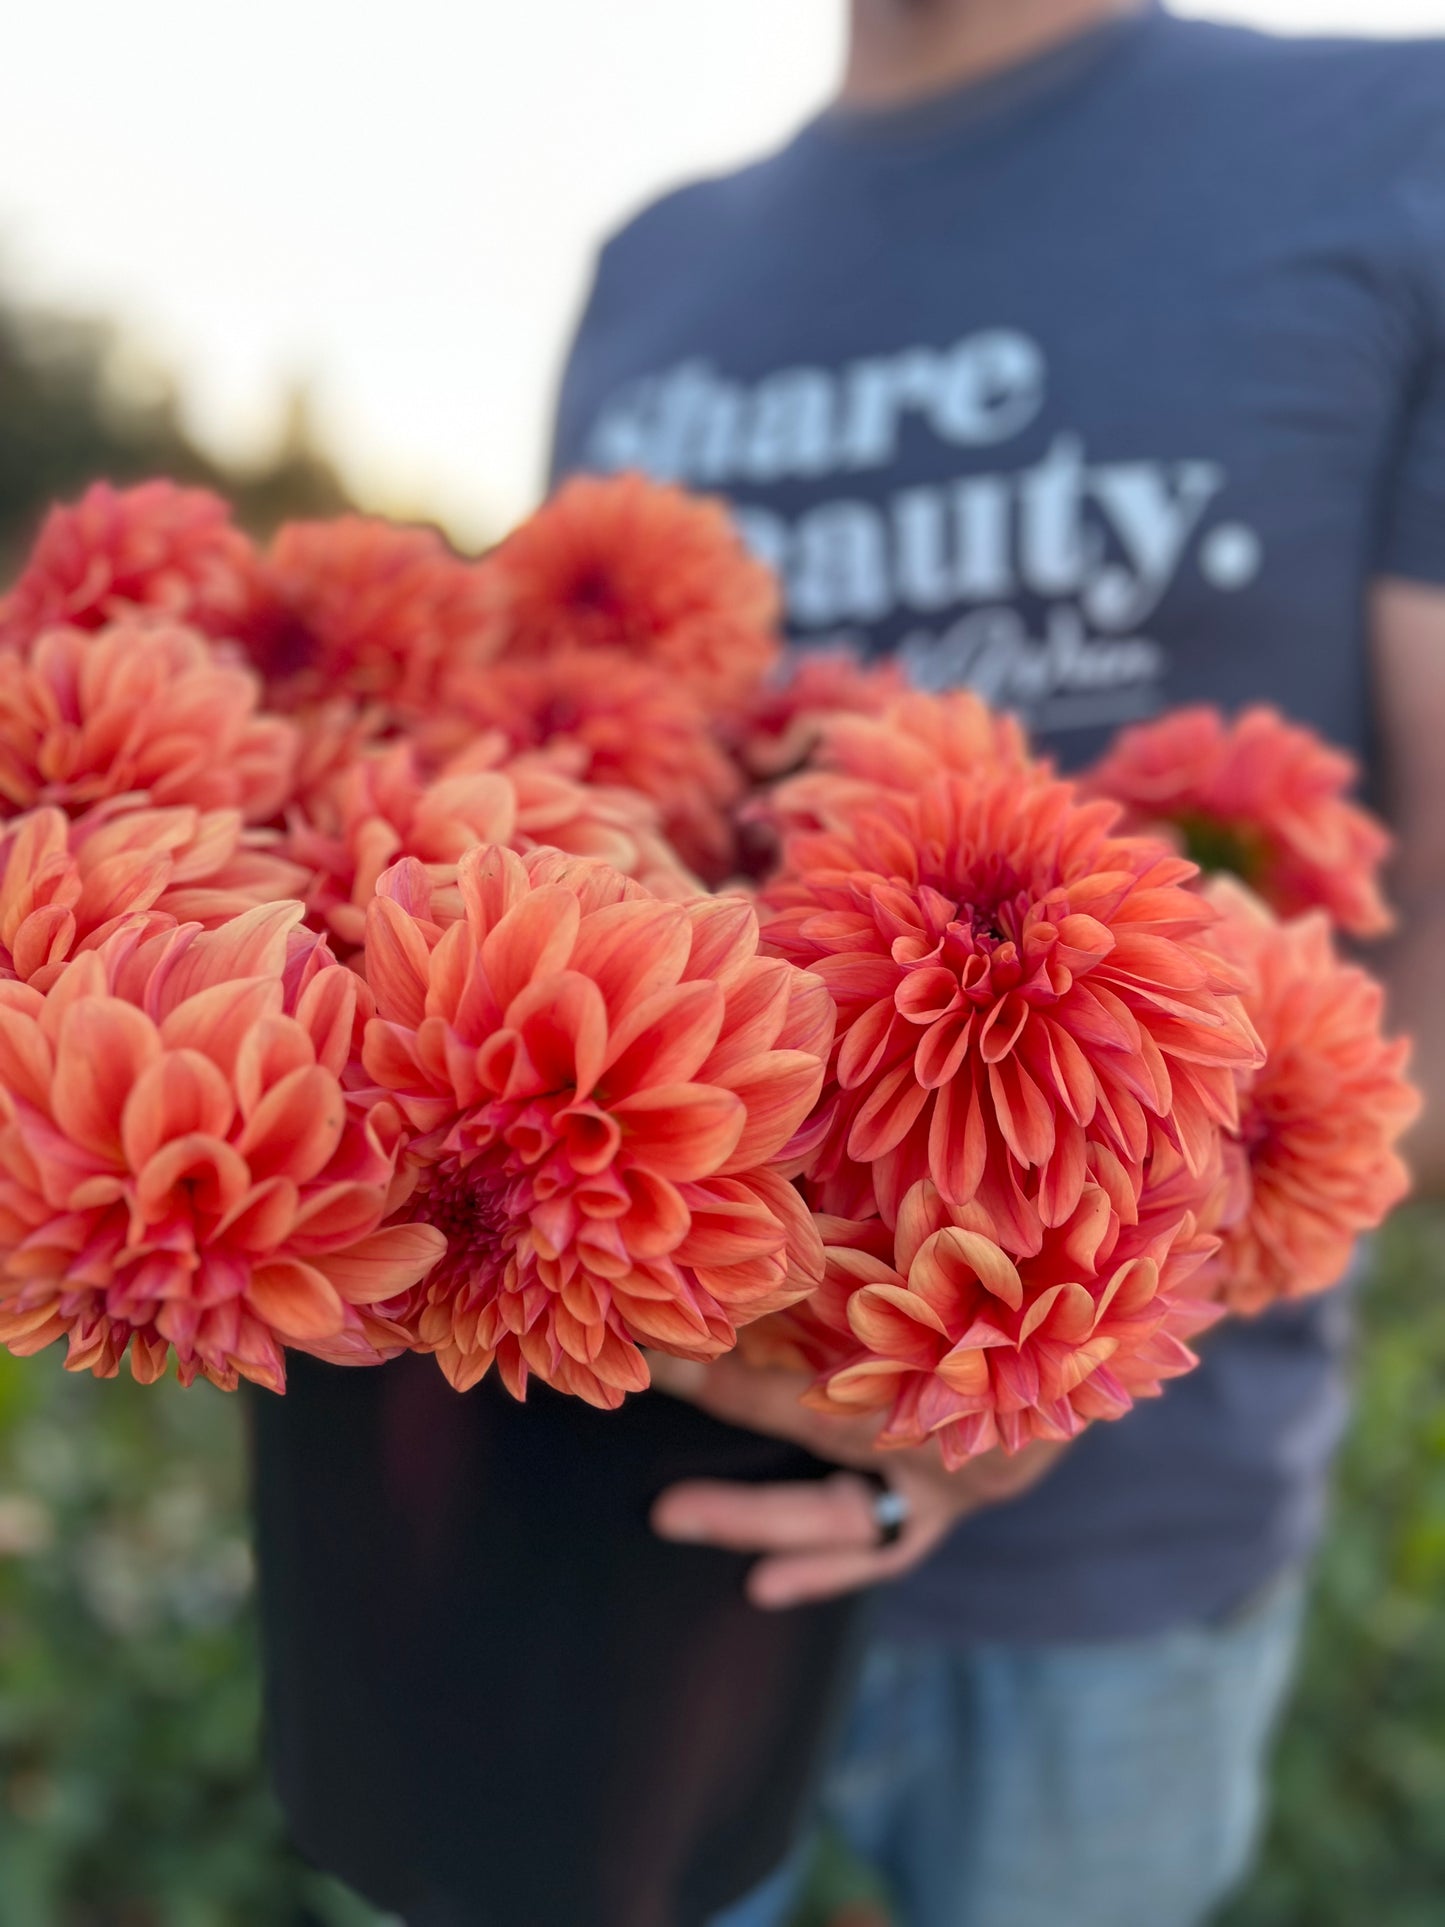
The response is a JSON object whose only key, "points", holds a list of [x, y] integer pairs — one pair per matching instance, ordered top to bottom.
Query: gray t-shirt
{"points": [[1102, 386]]}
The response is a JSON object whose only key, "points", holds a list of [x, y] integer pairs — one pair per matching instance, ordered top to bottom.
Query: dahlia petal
{"points": [[534, 939], [724, 939], [252, 944], [633, 950], [396, 962], [756, 1010], [327, 1011], [217, 1021], [562, 1022], [1002, 1028], [667, 1037], [869, 1043], [103, 1047], [941, 1051], [26, 1058], [778, 1089], [174, 1095], [887, 1114], [296, 1127], [682, 1130], [591, 1139], [957, 1140], [213, 1174], [1061, 1181], [261, 1219], [726, 1231], [952, 1260], [296, 1299], [670, 1322], [895, 1323], [963, 1378], [868, 1385]]}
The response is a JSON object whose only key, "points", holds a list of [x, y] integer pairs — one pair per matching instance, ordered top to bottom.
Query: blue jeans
{"points": [[1098, 1785]]}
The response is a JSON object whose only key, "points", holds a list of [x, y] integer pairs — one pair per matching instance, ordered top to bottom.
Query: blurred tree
{"points": [[74, 406]]}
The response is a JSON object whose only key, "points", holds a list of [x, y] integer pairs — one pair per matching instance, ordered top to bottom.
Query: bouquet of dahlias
{"points": [[512, 961]]}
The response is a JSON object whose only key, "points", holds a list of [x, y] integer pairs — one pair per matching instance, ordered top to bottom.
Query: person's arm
{"points": [[1408, 625], [820, 1538]]}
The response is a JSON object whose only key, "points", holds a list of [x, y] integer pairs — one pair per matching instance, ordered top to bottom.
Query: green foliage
{"points": [[73, 406], [130, 1794], [1359, 1826]]}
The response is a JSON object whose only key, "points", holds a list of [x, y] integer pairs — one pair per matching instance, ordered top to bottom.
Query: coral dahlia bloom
{"points": [[155, 548], [628, 564], [360, 605], [144, 709], [616, 722], [782, 723], [910, 741], [1262, 798], [380, 808], [66, 885], [1014, 982], [603, 1087], [1314, 1155], [181, 1168], [814, 1335], [957, 1340]]}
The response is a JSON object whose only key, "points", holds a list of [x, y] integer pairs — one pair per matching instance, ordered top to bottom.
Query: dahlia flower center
{"points": [[593, 592], [559, 715], [981, 943], [469, 1212]]}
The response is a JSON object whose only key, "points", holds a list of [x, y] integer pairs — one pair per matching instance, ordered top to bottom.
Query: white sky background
{"points": [[396, 203]]}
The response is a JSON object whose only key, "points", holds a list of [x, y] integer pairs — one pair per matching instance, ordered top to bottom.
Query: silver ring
{"points": [[890, 1513]]}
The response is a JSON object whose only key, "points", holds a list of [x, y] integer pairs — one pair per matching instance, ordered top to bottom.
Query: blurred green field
{"points": [[129, 1789]]}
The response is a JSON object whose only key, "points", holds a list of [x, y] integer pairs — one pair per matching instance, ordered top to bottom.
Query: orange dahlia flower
{"points": [[154, 548], [624, 563], [363, 606], [141, 709], [613, 721], [781, 724], [332, 735], [912, 740], [1263, 799], [379, 809], [66, 885], [1014, 982], [603, 1087], [1314, 1158], [181, 1168], [814, 1335], [956, 1339]]}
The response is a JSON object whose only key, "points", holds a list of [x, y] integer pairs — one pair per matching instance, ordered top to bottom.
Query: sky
{"points": [[396, 206]]}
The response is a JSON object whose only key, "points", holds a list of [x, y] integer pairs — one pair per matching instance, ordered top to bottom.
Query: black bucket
{"points": [[493, 1696]]}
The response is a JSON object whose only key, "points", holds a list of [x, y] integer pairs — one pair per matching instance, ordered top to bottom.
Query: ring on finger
{"points": [[890, 1510]]}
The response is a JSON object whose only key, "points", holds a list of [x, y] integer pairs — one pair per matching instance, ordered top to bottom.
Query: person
{"points": [[1095, 358]]}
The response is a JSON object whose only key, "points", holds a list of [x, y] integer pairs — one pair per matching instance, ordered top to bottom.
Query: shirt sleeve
{"points": [[1413, 529]]}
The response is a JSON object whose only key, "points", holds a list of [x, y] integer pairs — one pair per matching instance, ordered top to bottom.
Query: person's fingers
{"points": [[830, 1512], [794, 1579]]}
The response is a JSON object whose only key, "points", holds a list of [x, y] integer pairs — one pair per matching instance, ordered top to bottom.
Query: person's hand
{"points": [[821, 1537]]}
